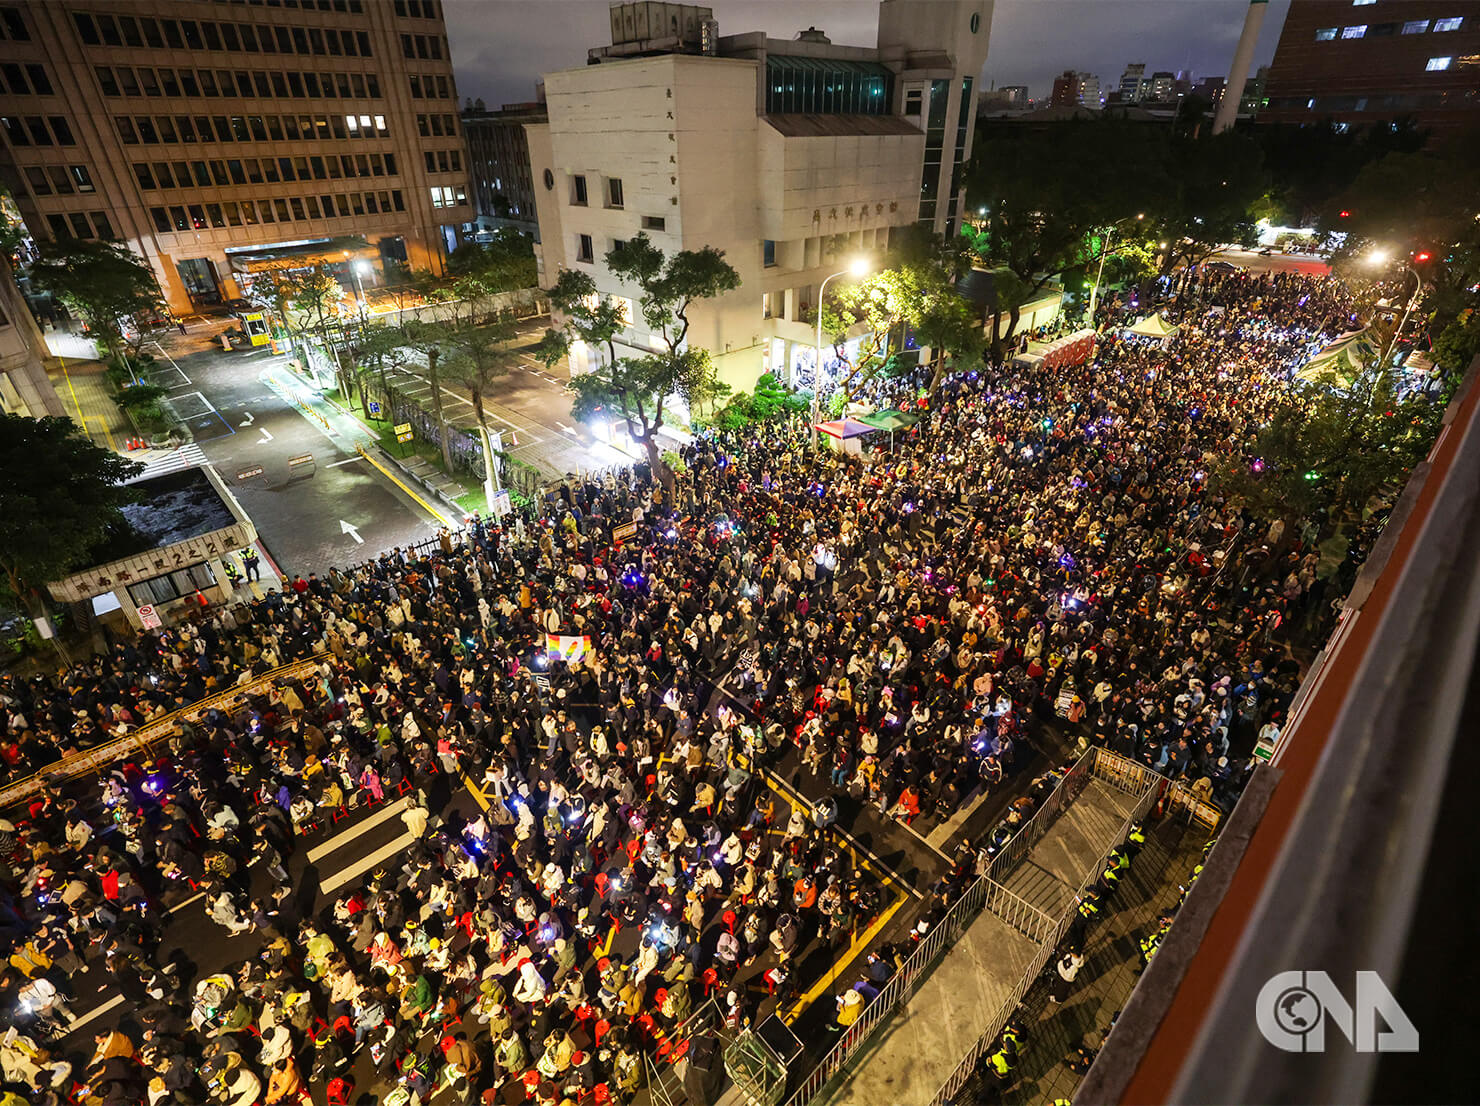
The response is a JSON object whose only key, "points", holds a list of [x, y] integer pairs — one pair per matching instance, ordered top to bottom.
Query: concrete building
{"points": [[1376, 62], [1130, 82], [1073, 88], [1161, 88], [1010, 97], [333, 135], [788, 155], [498, 164], [25, 389]]}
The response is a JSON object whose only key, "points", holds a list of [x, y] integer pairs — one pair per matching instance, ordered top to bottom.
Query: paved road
{"points": [[1305, 263], [531, 404], [239, 407]]}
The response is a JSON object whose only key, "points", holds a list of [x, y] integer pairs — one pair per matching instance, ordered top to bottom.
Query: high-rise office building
{"points": [[1369, 62], [221, 140], [787, 154], [498, 163]]}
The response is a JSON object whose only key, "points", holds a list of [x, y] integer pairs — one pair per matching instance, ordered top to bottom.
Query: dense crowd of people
{"points": [[1043, 548]]}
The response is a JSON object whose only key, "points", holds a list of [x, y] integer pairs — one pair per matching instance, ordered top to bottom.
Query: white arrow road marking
{"points": [[249, 420], [567, 429], [266, 437], [352, 531]]}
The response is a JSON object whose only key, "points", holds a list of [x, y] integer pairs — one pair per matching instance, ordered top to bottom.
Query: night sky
{"points": [[501, 46]]}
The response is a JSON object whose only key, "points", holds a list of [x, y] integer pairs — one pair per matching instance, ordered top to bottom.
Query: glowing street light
{"points": [[858, 267]]}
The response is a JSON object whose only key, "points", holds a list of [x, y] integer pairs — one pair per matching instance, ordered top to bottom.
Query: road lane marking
{"points": [[346, 461], [343, 837], [348, 875], [95, 1012]]}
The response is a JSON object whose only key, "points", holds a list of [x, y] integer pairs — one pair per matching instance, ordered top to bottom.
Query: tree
{"points": [[1311, 164], [1212, 186], [1042, 194], [1418, 206], [505, 264], [107, 284], [430, 340], [1459, 342], [377, 350], [478, 356], [635, 389], [1332, 448], [59, 495]]}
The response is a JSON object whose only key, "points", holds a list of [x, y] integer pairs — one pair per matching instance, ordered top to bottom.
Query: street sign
{"points": [[375, 408], [403, 428], [405, 437], [301, 459], [249, 473], [502, 504], [625, 531], [149, 617]]}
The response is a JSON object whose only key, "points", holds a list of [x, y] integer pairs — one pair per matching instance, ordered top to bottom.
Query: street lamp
{"points": [[858, 267], [1094, 293]]}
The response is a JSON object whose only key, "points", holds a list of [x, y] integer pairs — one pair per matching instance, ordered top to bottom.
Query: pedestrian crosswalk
{"points": [[159, 462]]}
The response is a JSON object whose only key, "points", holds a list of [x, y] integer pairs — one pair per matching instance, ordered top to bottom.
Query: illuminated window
{"points": [[1453, 23], [1415, 26], [1354, 32], [1325, 34], [1437, 64]]}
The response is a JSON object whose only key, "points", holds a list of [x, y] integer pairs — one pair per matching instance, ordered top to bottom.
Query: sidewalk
{"points": [[84, 393]]}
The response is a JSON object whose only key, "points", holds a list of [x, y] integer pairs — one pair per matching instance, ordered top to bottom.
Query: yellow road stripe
{"points": [[75, 403], [427, 507], [475, 791], [855, 848], [858, 946]]}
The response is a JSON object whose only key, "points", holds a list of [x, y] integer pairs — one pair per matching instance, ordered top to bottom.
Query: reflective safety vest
{"points": [[1137, 836], [1111, 875], [1089, 908], [1149, 944], [1002, 1063]]}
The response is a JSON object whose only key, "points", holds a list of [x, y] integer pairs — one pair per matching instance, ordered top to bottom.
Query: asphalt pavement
{"points": [[248, 411]]}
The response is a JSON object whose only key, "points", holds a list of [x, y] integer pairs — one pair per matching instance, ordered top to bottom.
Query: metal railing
{"points": [[94, 759], [1031, 832], [1017, 911], [961, 914], [895, 993], [958, 1078]]}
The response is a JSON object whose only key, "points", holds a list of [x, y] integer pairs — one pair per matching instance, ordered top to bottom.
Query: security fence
{"points": [[1128, 776]]}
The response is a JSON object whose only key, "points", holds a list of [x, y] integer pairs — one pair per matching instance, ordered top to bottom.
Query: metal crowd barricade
{"points": [[99, 756], [1118, 771], [961, 914]]}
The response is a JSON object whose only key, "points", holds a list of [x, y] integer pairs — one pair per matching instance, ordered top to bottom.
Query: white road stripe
{"points": [[346, 461], [390, 810], [360, 867], [95, 1012]]}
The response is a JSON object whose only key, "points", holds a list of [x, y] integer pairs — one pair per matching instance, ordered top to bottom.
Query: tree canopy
{"points": [[1419, 207], [505, 264], [104, 282], [635, 388], [59, 494]]}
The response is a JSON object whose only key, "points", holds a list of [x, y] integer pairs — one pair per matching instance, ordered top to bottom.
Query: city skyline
{"points": [[500, 47]]}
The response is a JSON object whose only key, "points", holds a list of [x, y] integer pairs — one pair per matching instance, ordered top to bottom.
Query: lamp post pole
{"points": [[1094, 293], [1392, 342], [817, 369]]}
